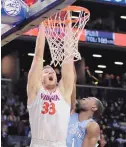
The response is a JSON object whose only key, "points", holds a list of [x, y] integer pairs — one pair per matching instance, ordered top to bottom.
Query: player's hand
{"points": [[41, 26]]}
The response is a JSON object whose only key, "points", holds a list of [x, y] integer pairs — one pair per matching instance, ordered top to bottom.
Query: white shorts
{"points": [[42, 143]]}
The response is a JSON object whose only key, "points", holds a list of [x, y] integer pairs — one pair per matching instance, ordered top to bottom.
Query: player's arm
{"points": [[67, 70], [34, 76], [67, 80], [73, 96], [73, 99], [92, 136]]}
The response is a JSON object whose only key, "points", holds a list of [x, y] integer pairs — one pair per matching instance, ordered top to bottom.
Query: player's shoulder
{"points": [[93, 123], [93, 126]]}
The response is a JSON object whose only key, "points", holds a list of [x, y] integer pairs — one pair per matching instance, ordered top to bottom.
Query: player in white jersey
{"points": [[48, 104]]}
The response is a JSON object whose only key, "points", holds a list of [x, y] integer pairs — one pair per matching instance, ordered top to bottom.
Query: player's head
{"points": [[49, 79], [91, 105]]}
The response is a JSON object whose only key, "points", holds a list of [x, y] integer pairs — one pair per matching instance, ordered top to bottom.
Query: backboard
{"points": [[15, 24]]}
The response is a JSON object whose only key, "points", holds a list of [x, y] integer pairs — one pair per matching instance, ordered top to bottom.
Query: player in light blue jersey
{"points": [[83, 130]]}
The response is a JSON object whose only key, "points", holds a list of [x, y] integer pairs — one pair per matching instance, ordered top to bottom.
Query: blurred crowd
{"points": [[106, 80], [110, 80], [14, 117], [113, 122]]}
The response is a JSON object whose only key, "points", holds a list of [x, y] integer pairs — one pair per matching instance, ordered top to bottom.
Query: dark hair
{"points": [[78, 107], [100, 109], [97, 113]]}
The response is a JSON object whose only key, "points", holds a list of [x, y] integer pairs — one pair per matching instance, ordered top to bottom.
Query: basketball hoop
{"points": [[63, 31]]}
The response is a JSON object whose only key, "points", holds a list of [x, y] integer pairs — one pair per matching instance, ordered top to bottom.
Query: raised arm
{"points": [[67, 71], [34, 76], [67, 81], [73, 96], [92, 136]]}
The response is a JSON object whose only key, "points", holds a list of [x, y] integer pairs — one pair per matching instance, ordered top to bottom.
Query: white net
{"points": [[63, 32]]}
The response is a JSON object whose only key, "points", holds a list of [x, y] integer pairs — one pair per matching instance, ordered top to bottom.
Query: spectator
{"points": [[100, 79], [106, 80], [112, 80], [124, 81], [118, 82], [10, 101], [3, 116], [12, 117], [4, 129], [21, 129]]}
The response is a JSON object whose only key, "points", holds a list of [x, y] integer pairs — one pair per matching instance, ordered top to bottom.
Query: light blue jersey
{"points": [[76, 131]]}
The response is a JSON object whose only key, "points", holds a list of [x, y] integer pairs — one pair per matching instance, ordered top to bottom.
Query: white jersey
{"points": [[49, 116]]}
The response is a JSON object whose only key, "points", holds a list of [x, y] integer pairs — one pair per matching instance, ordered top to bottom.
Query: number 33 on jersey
{"points": [[48, 108]]}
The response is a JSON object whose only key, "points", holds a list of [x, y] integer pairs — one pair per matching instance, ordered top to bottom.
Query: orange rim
{"points": [[71, 8], [76, 8]]}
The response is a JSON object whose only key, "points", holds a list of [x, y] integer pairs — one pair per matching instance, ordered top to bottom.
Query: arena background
{"points": [[103, 42]]}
